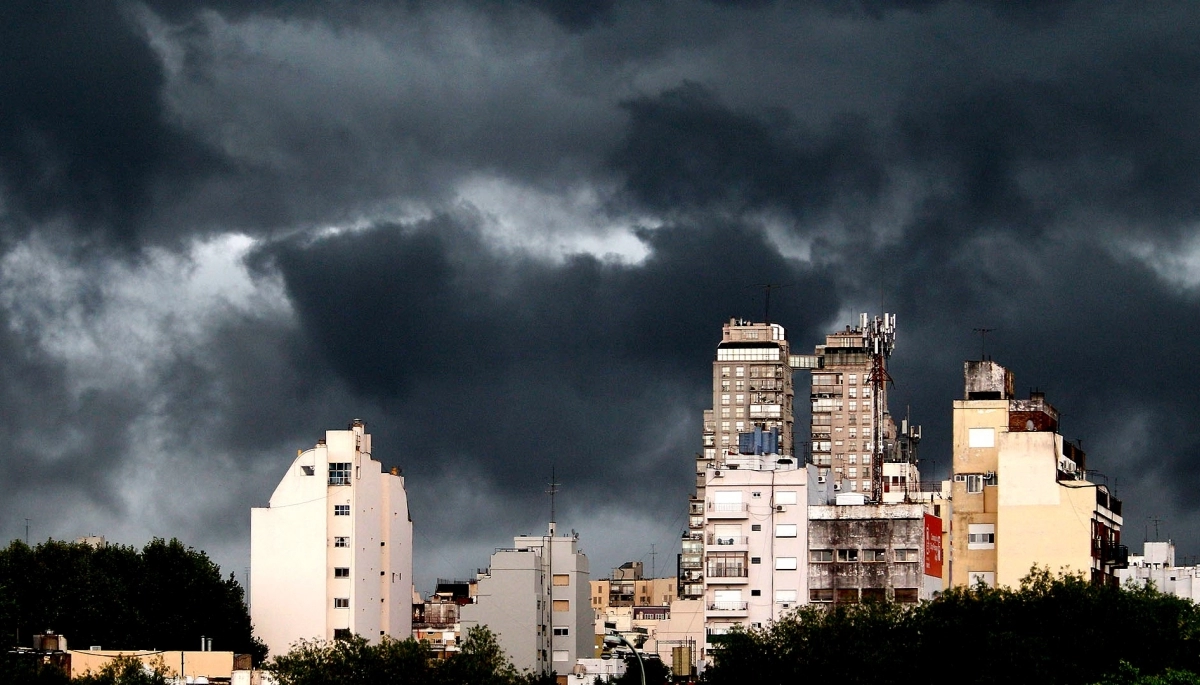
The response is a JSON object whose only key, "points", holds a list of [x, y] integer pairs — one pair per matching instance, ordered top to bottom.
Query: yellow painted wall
{"points": [[209, 664]]}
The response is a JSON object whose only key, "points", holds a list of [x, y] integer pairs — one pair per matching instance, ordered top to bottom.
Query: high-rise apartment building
{"points": [[845, 419], [1020, 492], [331, 554]]}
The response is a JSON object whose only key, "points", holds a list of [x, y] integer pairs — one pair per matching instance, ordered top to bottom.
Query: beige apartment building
{"points": [[1021, 495]]}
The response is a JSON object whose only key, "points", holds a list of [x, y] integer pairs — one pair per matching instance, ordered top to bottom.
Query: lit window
{"points": [[740, 371], [724, 372], [739, 386], [725, 398], [739, 399], [724, 412], [739, 412], [852, 458], [853, 472], [339, 473], [341, 510], [341, 541], [785, 563], [341, 572], [341, 603]]}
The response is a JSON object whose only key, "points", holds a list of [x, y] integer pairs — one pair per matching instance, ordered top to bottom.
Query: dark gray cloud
{"points": [[506, 237]]}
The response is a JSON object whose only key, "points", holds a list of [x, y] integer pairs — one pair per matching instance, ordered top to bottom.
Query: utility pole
{"points": [[26, 532]]}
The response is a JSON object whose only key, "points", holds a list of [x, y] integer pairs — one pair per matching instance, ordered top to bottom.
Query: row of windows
{"points": [[748, 354], [866, 555], [850, 595]]}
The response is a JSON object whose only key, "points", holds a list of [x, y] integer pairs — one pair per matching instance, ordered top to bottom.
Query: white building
{"points": [[755, 541], [331, 554], [1157, 565], [512, 601]]}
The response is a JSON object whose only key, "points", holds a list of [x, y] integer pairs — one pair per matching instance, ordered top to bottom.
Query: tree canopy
{"points": [[164, 596], [1054, 630], [481, 661]]}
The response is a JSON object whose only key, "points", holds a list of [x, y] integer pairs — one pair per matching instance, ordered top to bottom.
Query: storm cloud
{"points": [[505, 235]]}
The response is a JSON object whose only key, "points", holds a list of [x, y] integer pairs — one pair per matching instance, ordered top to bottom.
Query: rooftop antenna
{"points": [[767, 288], [983, 341], [552, 490], [1157, 521], [26, 532], [653, 554]]}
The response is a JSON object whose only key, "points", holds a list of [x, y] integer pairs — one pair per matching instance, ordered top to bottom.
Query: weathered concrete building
{"points": [[863, 552]]}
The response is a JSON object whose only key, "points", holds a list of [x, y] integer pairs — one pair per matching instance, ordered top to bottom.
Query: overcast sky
{"points": [[506, 234]]}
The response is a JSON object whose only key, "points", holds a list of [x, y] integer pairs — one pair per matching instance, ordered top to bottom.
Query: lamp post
{"points": [[614, 638]]}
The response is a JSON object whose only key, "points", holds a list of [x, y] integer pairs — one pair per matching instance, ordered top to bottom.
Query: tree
{"points": [[165, 596], [1053, 629], [353, 662], [125, 670]]}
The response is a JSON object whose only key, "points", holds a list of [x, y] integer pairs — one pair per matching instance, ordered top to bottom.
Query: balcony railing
{"points": [[727, 507], [728, 540], [726, 572], [728, 606]]}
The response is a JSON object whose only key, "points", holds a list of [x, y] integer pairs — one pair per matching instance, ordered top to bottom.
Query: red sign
{"points": [[933, 546]]}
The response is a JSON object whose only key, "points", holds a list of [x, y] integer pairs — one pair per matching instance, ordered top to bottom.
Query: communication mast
{"points": [[879, 337]]}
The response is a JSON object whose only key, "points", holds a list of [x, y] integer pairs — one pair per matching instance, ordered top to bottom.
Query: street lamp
{"points": [[615, 638]]}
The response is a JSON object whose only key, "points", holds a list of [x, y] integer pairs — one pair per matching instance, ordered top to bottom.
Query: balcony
{"points": [[696, 508], [727, 510], [730, 543], [727, 608]]}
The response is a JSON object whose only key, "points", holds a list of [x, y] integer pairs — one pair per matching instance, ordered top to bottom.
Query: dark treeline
{"points": [[164, 596], [1058, 631]]}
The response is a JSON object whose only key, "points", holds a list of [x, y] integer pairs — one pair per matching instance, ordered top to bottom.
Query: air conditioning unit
{"points": [[716, 474], [820, 479], [837, 486], [780, 508], [785, 606]]}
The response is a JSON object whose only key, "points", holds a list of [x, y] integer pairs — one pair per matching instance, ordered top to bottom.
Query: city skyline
{"points": [[506, 237]]}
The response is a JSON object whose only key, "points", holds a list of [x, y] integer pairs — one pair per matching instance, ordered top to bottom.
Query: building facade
{"points": [[1020, 492], [755, 537], [331, 554], [1156, 566], [535, 597]]}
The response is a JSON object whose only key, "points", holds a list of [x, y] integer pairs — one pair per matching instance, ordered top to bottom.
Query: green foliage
{"points": [[164, 596], [1056, 630], [481, 661], [24, 670], [125, 671], [657, 672], [1128, 675]]}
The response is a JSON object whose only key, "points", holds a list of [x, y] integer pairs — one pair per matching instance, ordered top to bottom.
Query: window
{"points": [[740, 371], [724, 372], [740, 386], [725, 398], [739, 399], [724, 412], [725, 426], [981, 437], [852, 458], [852, 472], [339, 473], [974, 482], [854, 486], [785, 497], [341, 510], [756, 526], [785, 530], [981, 536], [341, 541], [820, 555], [847, 555], [874, 555], [906, 555], [755, 560], [785, 563], [341, 572], [562, 579], [756, 593], [874, 594], [820, 595], [847, 595], [906, 595], [785, 596], [341, 603], [562, 605], [562, 631], [341, 633], [561, 655]]}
